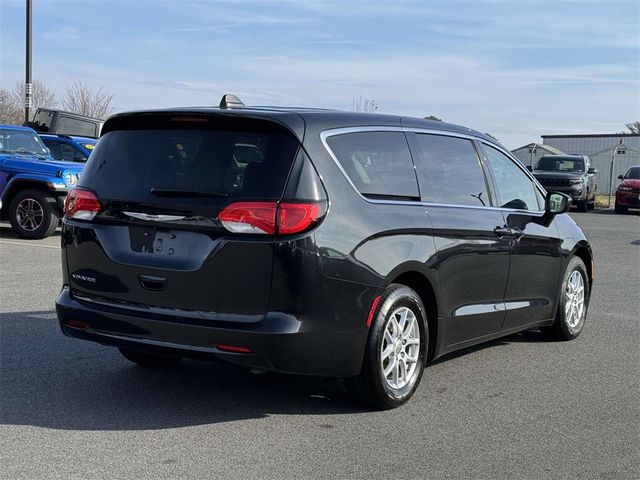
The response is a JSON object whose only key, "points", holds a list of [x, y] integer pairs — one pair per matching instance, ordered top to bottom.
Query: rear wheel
{"points": [[621, 209], [33, 214], [574, 300], [395, 353], [149, 359]]}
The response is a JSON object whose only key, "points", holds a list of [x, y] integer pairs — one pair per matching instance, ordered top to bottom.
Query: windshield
{"points": [[21, 142], [561, 164], [633, 173]]}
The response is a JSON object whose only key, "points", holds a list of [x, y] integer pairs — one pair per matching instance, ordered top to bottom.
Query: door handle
{"points": [[508, 232], [153, 283]]}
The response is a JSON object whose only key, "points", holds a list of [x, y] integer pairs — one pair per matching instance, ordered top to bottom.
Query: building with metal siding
{"points": [[590, 143], [531, 153], [618, 159]]}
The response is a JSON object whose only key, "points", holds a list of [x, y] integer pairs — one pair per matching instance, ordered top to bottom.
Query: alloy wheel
{"points": [[29, 214], [400, 349]]}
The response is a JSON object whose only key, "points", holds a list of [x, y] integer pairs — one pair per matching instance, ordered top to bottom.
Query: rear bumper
{"points": [[280, 342]]}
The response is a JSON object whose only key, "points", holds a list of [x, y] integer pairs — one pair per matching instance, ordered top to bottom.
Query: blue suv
{"points": [[69, 148], [33, 185]]}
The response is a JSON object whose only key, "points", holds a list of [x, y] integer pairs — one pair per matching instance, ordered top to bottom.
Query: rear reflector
{"points": [[81, 204], [260, 217], [372, 312], [77, 324], [233, 348]]}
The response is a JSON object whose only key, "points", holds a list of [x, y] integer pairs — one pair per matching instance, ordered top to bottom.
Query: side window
{"points": [[73, 126], [54, 146], [67, 152], [379, 164], [450, 172], [514, 188]]}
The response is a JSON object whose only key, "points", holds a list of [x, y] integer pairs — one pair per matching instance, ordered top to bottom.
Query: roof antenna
{"points": [[231, 101]]}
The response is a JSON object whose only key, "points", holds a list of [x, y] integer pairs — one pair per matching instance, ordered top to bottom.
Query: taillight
{"points": [[81, 204], [250, 217], [260, 217]]}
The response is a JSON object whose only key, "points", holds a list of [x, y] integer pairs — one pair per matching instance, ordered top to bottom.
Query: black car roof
{"points": [[296, 118]]}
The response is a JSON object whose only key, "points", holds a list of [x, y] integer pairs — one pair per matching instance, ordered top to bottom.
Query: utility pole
{"points": [[28, 86], [613, 161]]}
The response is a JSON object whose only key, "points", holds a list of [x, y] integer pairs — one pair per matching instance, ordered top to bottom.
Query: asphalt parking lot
{"points": [[519, 407]]}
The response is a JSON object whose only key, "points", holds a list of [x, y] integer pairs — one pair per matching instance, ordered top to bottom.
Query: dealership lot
{"points": [[519, 407]]}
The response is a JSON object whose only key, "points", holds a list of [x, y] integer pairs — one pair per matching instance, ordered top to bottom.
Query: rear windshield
{"points": [[561, 164], [189, 166]]}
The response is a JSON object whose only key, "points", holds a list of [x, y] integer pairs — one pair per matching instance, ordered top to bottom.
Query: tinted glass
{"points": [[42, 120], [73, 126], [21, 142], [378, 163], [128, 164], [561, 164], [449, 171], [633, 172], [514, 188]]}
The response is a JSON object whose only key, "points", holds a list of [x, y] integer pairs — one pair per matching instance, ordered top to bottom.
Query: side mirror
{"points": [[530, 168], [592, 171], [621, 177], [557, 203]]}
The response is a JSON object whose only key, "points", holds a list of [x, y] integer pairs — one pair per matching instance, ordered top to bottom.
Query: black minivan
{"points": [[314, 242]]}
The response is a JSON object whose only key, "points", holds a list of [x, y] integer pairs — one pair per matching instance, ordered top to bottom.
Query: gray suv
{"points": [[570, 174]]}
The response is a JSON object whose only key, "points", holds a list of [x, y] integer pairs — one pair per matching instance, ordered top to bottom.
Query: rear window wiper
{"points": [[186, 193]]}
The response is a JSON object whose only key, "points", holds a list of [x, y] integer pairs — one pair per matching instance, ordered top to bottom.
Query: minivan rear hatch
{"points": [[156, 240]]}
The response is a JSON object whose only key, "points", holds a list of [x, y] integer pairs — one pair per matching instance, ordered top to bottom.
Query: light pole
{"points": [[28, 86], [613, 161]]}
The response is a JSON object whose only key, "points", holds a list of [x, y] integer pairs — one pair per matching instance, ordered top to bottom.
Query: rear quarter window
{"points": [[378, 164]]}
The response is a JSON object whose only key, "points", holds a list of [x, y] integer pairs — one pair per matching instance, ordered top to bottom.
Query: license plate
{"points": [[154, 242]]}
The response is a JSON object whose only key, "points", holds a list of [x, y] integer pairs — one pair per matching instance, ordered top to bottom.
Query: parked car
{"points": [[48, 120], [68, 148], [570, 174], [32, 184], [628, 191], [346, 244]]}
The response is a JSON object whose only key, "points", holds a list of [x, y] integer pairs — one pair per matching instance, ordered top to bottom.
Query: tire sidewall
{"points": [[394, 298]]}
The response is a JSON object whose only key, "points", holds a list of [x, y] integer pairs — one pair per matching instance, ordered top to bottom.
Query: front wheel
{"points": [[621, 209], [33, 215], [573, 303], [396, 351]]}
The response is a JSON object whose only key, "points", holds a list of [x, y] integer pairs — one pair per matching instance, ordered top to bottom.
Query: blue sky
{"points": [[516, 69]]}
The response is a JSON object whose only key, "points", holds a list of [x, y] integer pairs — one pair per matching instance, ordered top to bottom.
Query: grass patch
{"points": [[602, 201]]}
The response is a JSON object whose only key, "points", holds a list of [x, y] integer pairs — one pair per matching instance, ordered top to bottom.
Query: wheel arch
{"points": [[17, 185], [583, 251], [424, 288]]}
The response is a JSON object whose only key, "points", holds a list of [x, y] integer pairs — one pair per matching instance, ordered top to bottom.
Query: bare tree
{"points": [[81, 98], [12, 102], [364, 105], [433, 117], [634, 127]]}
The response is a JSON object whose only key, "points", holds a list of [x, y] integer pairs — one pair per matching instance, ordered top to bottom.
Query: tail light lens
{"points": [[81, 204], [270, 217]]}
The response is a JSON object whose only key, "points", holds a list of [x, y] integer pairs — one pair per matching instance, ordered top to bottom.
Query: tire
{"points": [[592, 205], [581, 206], [621, 209], [33, 214], [569, 323], [149, 360], [371, 386]]}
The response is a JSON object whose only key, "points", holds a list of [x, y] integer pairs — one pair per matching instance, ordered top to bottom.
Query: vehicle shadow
{"points": [[7, 233], [48, 380]]}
